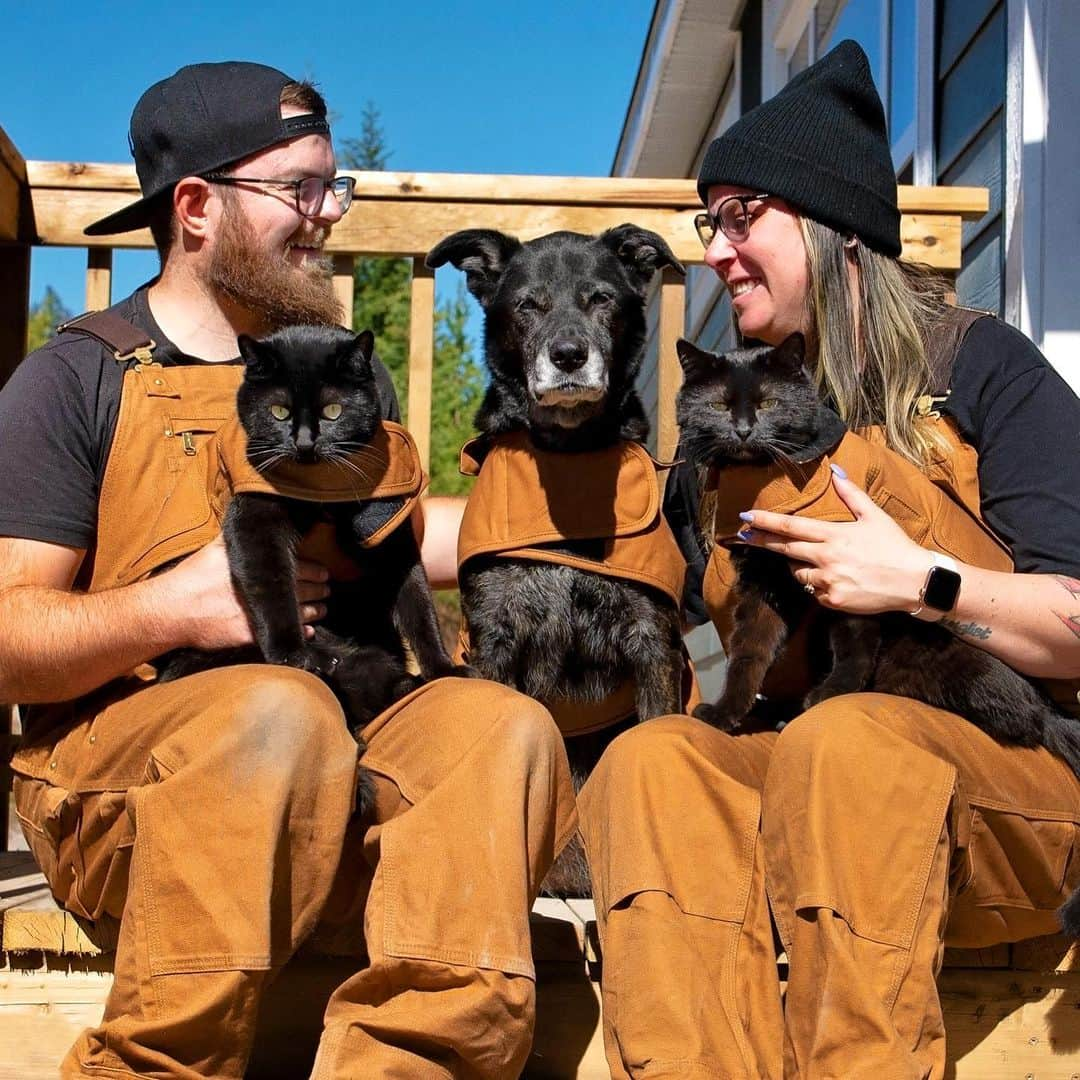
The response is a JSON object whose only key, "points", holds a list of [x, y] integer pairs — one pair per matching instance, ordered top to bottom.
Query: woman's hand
{"points": [[864, 566]]}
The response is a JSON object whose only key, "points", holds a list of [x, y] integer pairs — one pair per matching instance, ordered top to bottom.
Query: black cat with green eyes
{"points": [[309, 397], [760, 405]]}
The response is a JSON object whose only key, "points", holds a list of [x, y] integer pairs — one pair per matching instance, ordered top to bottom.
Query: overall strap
{"points": [[121, 338], [945, 343]]}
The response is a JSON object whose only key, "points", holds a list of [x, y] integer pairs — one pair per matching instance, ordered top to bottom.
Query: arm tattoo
{"points": [[1070, 584], [966, 629]]}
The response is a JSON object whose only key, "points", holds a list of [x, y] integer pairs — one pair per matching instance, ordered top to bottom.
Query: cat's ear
{"points": [[641, 251], [481, 253], [364, 345], [790, 354], [354, 357], [259, 359], [694, 361]]}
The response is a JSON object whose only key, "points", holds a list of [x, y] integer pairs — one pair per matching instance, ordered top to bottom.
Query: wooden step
{"points": [[1012, 1012]]}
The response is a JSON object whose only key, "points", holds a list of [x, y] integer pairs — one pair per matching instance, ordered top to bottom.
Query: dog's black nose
{"points": [[569, 354]]}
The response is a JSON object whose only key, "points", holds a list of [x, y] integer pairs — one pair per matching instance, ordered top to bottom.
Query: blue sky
{"points": [[462, 87]]}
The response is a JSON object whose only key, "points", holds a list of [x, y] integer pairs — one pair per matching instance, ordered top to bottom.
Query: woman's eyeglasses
{"points": [[309, 194], [732, 218]]}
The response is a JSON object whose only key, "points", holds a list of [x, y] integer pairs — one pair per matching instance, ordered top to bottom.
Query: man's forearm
{"points": [[436, 523], [56, 645]]}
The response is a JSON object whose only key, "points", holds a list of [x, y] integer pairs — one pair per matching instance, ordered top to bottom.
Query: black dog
{"points": [[564, 330]]}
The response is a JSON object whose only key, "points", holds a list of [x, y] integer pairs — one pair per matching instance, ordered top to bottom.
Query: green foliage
{"points": [[381, 304], [44, 318], [457, 387]]}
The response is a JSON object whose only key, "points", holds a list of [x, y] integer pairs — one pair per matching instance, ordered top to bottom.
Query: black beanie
{"points": [[819, 144]]}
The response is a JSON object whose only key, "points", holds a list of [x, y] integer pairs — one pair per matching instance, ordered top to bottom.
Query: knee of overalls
{"points": [[263, 719], [847, 759]]}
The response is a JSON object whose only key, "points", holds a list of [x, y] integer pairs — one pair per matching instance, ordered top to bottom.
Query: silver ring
{"points": [[809, 589]]}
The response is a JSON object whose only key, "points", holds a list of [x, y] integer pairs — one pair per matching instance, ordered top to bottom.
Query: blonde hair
{"points": [[871, 350]]}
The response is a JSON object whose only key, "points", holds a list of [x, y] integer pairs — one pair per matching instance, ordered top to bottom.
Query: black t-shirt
{"points": [[58, 414], [1022, 419]]}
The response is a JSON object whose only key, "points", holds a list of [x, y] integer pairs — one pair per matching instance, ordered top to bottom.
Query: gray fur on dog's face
{"points": [[559, 302], [565, 319]]}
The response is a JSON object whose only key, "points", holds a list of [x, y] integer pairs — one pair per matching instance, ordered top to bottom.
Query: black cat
{"points": [[309, 397], [760, 405]]}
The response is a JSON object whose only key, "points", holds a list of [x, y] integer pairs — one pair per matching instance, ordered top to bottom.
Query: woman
{"points": [[873, 829]]}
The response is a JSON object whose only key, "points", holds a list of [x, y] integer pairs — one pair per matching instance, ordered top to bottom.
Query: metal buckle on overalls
{"points": [[142, 353], [924, 406]]}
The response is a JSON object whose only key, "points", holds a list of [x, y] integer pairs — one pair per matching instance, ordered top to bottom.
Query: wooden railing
{"points": [[405, 215]]}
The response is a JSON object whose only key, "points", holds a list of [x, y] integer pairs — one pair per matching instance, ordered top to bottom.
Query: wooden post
{"points": [[15, 230], [98, 278], [343, 287], [14, 306], [421, 354], [668, 371]]}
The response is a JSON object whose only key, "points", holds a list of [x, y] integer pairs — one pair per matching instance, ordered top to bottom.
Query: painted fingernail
{"points": [[838, 471], [746, 515], [745, 534]]}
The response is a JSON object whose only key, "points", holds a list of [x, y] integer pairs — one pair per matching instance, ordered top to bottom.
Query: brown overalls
{"points": [[525, 497], [214, 813], [870, 831]]}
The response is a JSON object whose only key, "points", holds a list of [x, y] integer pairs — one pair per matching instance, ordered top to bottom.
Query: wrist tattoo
{"points": [[1070, 622], [966, 629]]}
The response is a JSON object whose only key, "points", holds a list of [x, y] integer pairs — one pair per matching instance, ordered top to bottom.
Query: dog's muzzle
{"points": [[567, 373]]}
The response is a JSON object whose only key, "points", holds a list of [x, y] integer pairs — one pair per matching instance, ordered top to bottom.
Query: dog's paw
{"points": [[455, 671], [463, 671], [717, 717], [365, 789]]}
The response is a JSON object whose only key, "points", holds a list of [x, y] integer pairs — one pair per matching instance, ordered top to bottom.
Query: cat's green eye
{"points": [[767, 403], [720, 405], [331, 410], [280, 412]]}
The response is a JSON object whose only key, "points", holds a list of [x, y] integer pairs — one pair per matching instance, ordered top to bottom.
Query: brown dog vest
{"points": [[526, 498]]}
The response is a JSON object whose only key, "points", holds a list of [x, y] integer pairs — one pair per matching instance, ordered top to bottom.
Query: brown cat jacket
{"points": [[938, 509]]}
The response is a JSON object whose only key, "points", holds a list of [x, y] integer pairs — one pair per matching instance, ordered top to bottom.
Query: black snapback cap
{"points": [[203, 118]]}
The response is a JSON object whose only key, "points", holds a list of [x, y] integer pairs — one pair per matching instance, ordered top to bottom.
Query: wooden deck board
{"points": [[1004, 1022]]}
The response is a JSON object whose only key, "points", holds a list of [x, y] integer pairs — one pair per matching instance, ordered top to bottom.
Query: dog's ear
{"points": [[642, 252], [481, 253]]}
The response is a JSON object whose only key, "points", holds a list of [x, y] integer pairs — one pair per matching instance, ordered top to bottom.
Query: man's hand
{"points": [[202, 586], [56, 644]]}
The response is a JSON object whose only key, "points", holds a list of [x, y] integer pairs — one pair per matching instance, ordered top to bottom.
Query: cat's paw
{"points": [[305, 659], [819, 694], [717, 717]]}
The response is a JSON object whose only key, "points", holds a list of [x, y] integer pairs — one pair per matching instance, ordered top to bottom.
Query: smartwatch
{"points": [[941, 587]]}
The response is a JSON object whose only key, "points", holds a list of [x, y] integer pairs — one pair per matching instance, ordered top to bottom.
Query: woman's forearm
{"points": [[1031, 621]]}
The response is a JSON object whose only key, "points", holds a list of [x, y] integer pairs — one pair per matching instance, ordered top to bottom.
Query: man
{"points": [[211, 816]]}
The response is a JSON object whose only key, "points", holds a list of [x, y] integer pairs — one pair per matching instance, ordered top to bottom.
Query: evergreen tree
{"points": [[381, 304], [44, 318], [457, 387]]}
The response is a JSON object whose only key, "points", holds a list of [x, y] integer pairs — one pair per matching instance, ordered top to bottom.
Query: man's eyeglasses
{"points": [[309, 194], [731, 218]]}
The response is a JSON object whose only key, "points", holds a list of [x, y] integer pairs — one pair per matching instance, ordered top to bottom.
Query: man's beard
{"points": [[271, 289]]}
